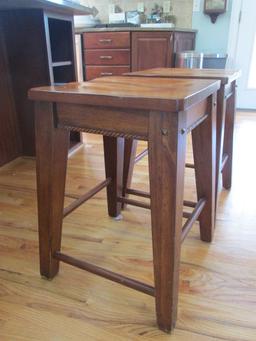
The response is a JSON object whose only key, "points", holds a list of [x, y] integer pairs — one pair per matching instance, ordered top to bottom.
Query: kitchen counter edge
{"points": [[132, 29]]}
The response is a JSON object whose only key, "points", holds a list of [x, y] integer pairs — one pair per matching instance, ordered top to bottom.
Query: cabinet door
{"points": [[184, 41], [151, 50]]}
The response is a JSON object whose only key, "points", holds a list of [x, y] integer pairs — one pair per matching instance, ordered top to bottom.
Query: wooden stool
{"points": [[159, 111], [225, 122]]}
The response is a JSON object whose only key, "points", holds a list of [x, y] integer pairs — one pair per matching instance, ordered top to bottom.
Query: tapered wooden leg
{"points": [[220, 128], [228, 138], [130, 148], [167, 148], [204, 149], [114, 160], [51, 163]]}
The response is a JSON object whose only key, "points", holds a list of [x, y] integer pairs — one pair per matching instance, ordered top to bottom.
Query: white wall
{"points": [[212, 38]]}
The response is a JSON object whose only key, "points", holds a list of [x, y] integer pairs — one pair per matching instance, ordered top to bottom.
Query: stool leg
{"points": [[220, 127], [228, 138], [130, 148], [167, 149], [204, 149], [114, 160], [51, 163]]}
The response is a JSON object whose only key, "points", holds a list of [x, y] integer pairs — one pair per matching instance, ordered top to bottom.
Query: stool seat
{"points": [[224, 75], [132, 92], [226, 99], [159, 111]]}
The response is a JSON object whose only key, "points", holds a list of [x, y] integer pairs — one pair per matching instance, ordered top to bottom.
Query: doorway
{"points": [[246, 56]]}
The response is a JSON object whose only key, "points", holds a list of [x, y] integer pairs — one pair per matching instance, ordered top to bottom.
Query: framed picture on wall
{"points": [[214, 7]]}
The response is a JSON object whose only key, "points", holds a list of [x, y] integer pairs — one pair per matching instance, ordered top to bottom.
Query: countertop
{"points": [[132, 29]]}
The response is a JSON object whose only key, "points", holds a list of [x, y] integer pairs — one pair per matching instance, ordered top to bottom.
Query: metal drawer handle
{"points": [[105, 41], [106, 57], [106, 74]]}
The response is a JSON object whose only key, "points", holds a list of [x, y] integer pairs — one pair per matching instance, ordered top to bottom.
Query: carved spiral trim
{"points": [[103, 132]]}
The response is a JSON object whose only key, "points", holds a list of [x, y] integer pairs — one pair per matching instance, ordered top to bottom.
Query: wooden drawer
{"points": [[106, 40], [107, 57], [101, 71]]}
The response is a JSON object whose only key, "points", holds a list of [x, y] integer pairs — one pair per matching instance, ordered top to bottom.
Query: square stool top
{"points": [[225, 76], [130, 92]]}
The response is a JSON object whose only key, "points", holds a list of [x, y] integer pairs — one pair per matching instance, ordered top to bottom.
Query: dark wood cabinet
{"points": [[37, 48], [151, 50], [114, 53], [106, 54], [37, 56], [28, 66], [10, 144]]}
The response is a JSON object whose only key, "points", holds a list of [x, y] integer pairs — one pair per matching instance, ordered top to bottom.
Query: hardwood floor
{"points": [[217, 296]]}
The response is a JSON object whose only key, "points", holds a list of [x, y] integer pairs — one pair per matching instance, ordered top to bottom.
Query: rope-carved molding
{"points": [[103, 132]]}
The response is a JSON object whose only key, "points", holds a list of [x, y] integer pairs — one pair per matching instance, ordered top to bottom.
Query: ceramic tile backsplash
{"points": [[182, 9]]}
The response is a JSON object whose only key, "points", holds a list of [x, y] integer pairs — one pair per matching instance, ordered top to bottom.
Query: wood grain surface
{"points": [[226, 76], [131, 92], [217, 291]]}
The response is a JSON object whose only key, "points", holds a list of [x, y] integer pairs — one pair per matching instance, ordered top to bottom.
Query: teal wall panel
{"points": [[212, 38]]}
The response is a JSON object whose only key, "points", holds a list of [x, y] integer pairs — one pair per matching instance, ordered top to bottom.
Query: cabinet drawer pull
{"points": [[105, 41], [106, 57], [106, 74]]}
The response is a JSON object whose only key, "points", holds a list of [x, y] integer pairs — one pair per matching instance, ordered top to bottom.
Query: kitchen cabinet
{"points": [[37, 47], [152, 50], [116, 52], [106, 54], [10, 144]]}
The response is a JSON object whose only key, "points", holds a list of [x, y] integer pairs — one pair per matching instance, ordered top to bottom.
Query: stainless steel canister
{"points": [[189, 59]]}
